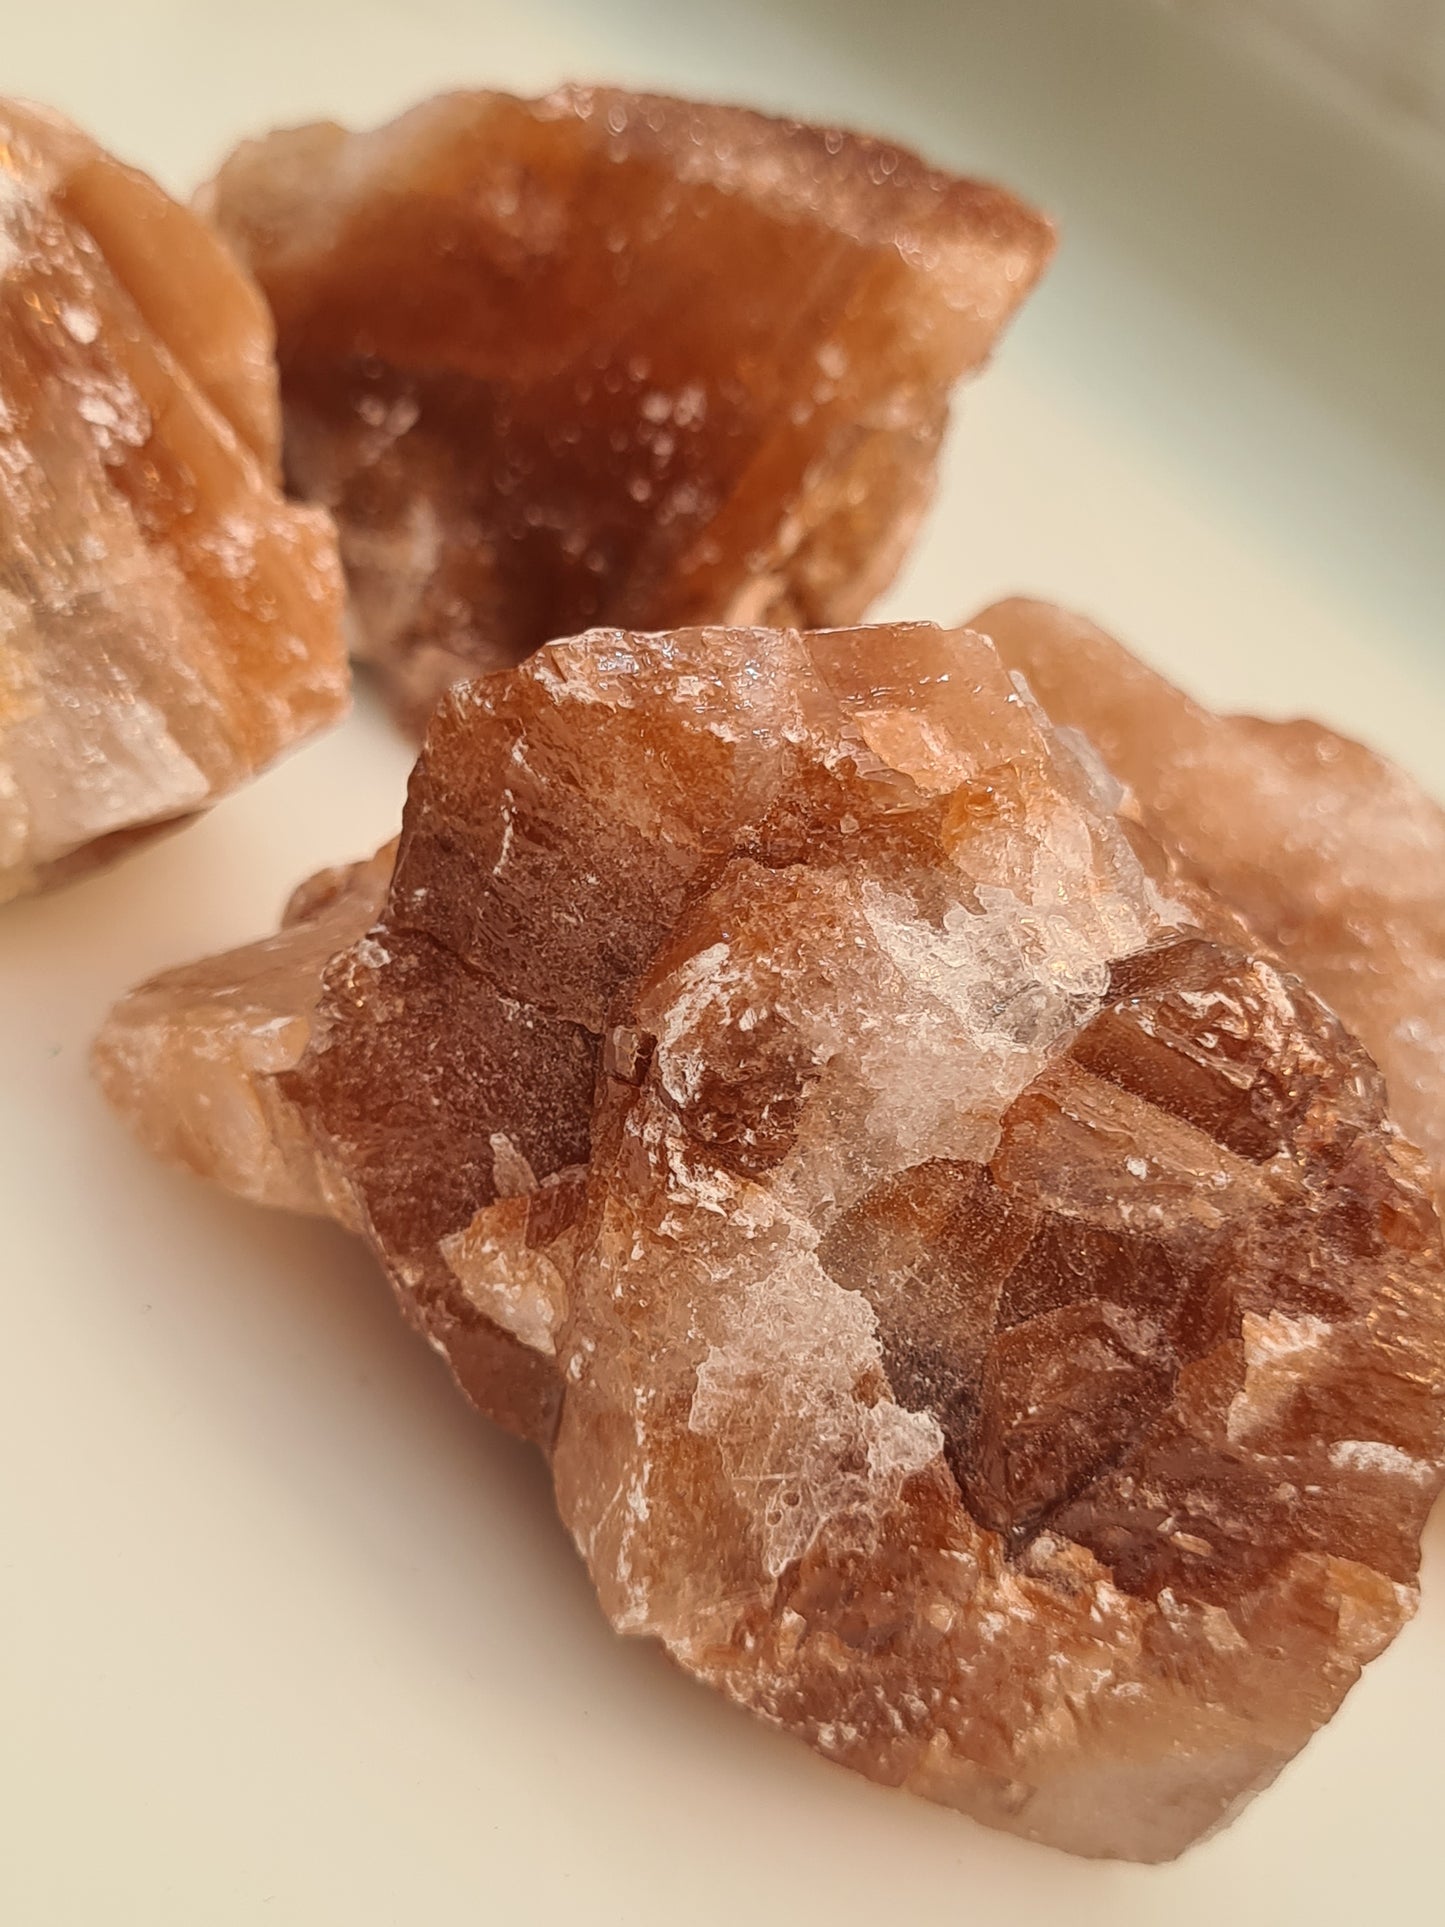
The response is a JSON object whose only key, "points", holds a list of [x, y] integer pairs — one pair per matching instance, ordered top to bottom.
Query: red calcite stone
{"points": [[613, 358], [168, 624], [979, 1314]]}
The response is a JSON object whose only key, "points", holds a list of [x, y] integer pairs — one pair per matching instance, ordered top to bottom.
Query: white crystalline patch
{"points": [[17, 199], [81, 324], [690, 405], [111, 406], [99, 410], [116, 410], [393, 419], [232, 542], [577, 679], [136, 772], [509, 831], [1167, 912], [1065, 952], [370, 953], [1009, 975], [701, 982], [697, 986], [1273, 1018], [263, 1045], [512, 1175], [691, 1181], [519, 1290], [1279, 1336], [1277, 1353], [780, 1398], [900, 1442], [1373, 1455], [636, 1499]]}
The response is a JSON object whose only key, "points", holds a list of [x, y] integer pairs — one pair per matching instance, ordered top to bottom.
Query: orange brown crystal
{"points": [[606, 357], [168, 625], [1334, 856], [214, 1035], [980, 1322]]}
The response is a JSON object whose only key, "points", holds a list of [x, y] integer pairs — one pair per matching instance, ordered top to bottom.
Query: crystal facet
{"points": [[613, 358], [168, 625], [1334, 856], [214, 1035], [978, 1320]]}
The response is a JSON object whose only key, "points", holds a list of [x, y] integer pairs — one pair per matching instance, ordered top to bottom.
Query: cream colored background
{"points": [[1390, 52], [287, 1637]]}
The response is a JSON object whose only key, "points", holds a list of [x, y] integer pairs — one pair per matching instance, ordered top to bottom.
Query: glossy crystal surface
{"points": [[613, 358], [168, 624], [1334, 856], [979, 1318]]}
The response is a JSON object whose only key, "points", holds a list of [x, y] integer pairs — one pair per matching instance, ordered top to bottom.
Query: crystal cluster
{"points": [[610, 358], [168, 624], [1334, 857], [978, 1312]]}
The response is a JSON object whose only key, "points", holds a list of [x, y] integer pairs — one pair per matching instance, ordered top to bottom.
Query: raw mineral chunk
{"points": [[613, 358], [168, 625], [1335, 857], [212, 1037], [979, 1322]]}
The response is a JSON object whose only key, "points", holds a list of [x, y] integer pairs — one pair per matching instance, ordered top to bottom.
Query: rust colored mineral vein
{"points": [[613, 358], [168, 625], [1334, 856], [978, 1321]]}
